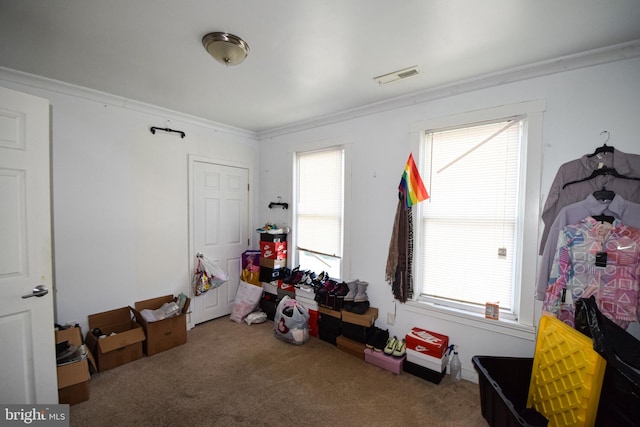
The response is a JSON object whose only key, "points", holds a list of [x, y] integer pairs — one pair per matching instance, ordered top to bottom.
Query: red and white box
{"points": [[273, 250], [427, 342], [426, 361]]}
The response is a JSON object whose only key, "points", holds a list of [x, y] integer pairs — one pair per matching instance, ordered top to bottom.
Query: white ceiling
{"points": [[308, 58]]}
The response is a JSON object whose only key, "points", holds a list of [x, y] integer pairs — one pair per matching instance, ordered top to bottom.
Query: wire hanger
{"points": [[604, 148]]}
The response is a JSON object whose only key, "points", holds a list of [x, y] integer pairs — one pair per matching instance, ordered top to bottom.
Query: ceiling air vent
{"points": [[397, 75]]}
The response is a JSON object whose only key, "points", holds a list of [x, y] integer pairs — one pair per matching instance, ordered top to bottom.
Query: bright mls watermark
{"points": [[36, 415]]}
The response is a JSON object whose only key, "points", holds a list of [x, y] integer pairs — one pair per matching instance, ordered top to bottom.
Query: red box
{"points": [[273, 250], [313, 323], [427, 342]]}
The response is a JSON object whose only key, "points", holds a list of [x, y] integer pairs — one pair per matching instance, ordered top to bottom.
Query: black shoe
{"points": [[360, 307], [372, 336], [381, 340]]}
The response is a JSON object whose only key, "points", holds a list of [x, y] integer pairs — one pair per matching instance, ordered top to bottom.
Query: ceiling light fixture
{"points": [[226, 48]]}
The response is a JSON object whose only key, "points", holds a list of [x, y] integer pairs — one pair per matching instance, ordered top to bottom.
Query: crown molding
{"points": [[585, 59], [38, 82]]}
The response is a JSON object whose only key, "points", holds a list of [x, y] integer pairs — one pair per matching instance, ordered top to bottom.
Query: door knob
{"points": [[38, 291]]}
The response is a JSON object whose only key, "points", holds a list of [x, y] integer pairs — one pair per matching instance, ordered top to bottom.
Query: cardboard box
{"points": [[273, 250], [273, 263], [270, 274], [271, 287], [285, 289], [269, 303], [308, 303], [329, 312], [366, 319], [313, 323], [329, 325], [357, 332], [163, 334], [122, 342], [427, 342], [350, 346], [384, 361], [433, 363], [422, 372], [73, 378]]}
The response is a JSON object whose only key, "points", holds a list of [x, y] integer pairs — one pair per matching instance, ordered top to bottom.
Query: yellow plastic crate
{"points": [[567, 375]]}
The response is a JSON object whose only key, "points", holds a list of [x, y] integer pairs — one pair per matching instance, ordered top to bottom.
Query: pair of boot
{"points": [[356, 300]]}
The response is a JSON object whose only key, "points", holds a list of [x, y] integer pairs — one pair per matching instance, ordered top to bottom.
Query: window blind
{"points": [[320, 201], [469, 223]]}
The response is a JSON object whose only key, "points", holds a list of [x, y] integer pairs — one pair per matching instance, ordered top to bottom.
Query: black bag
{"points": [[620, 394]]}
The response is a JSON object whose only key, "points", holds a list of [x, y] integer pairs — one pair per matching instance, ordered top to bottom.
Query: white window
{"points": [[319, 210], [476, 235]]}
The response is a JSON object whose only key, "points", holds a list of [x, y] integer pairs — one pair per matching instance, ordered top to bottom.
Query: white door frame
{"points": [[193, 158]]}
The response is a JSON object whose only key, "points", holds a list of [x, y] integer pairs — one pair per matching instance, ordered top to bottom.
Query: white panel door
{"points": [[220, 224], [27, 352]]}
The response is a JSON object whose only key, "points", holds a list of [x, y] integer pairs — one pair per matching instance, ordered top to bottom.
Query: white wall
{"points": [[580, 104], [120, 195]]}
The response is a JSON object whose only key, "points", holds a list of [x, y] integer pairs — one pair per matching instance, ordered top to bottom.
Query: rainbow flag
{"points": [[411, 187]]}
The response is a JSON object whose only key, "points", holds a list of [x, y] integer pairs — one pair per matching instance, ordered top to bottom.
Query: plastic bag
{"points": [[216, 274], [206, 277], [201, 282], [246, 300], [291, 321], [620, 394]]}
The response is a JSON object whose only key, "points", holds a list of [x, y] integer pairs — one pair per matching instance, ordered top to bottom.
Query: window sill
{"points": [[502, 326]]}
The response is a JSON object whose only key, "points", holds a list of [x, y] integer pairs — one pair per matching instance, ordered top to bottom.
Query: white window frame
{"points": [[320, 146], [522, 324]]}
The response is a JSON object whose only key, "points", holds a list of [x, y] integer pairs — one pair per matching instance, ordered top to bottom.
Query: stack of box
{"points": [[273, 256], [306, 298], [269, 301], [329, 325], [356, 329], [162, 334], [121, 341], [427, 354], [73, 378]]}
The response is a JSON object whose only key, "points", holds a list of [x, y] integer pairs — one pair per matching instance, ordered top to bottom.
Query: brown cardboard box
{"points": [[273, 263], [333, 313], [365, 319], [163, 334], [122, 343], [350, 346], [73, 378]]}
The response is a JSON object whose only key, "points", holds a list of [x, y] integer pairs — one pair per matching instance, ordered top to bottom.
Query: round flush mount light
{"points": [[226, 48]]}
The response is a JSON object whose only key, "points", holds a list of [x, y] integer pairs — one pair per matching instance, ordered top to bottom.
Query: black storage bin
{"points": [[504, 387], [620, 394]]}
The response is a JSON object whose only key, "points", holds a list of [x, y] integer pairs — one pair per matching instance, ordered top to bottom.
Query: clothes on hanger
{"points": [[627, 165], [627, 212], [600, 259]]}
